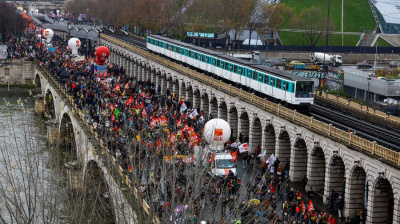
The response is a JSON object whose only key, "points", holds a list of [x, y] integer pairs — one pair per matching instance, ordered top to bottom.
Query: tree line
{"points": [[176, 17]]}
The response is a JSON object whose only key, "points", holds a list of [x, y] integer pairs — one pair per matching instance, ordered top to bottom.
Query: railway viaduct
{"points": [[364, 173]]}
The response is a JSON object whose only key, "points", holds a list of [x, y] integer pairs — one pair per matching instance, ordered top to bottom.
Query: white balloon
{"points": [[48, 34], [74, 44], [217, 133]]}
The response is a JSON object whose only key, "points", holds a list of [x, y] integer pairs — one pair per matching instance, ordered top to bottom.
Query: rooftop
{"points": [[390, 10]]}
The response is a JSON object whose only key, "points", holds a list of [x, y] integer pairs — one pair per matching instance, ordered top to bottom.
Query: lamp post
{"points": [[369, 79]]}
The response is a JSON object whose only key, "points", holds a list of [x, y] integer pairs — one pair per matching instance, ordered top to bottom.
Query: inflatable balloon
{"points": [[48, 34], [74, 44], [102, 54], [217, 133]]}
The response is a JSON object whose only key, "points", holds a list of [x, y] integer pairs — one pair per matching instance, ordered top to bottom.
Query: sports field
{"points": [[357, 17], [296, 39]]}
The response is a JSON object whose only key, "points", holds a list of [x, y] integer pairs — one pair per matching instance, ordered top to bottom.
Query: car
{"points": [[296, 63], [394, 64], [363, 65]]}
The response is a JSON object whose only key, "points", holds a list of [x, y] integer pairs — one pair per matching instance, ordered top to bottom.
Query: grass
{"points": [[357, 13], [296, 39], [382, 43], [345, 95]]}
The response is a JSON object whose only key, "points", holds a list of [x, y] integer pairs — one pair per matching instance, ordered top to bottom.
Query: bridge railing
{"points": [[308, 122]]}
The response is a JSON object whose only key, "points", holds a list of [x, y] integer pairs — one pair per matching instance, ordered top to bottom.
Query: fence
{"points": [[288, 114]]}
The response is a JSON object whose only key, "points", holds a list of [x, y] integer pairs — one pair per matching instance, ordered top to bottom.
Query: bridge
{"points": [[43, 7], [331, 158], [89, 163]]}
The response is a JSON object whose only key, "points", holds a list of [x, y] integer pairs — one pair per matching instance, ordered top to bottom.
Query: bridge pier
{"points": [[189, 95], [196, 99], [39, 105], [233, 121], [52, 132], [74, 177]]}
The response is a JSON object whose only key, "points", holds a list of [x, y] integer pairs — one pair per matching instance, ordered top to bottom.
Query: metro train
{"points": [[280, 86]]}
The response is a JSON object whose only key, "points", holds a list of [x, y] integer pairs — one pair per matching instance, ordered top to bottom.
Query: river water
{"points": [[30, 190]]}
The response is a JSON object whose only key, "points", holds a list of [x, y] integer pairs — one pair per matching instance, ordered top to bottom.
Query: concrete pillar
{"points": [[130, 70], [136, 71], [144, 73], [153, 77], [158, 80], [170, 84], [163, 85], [175, 89], [182, 89], [189, 96], [196, 99], [39, 105], [204, 106], [214, 108], [223, 112], [233, 122], [52, 133], [256, 135], [268, 141], [283, 148], [298, 161], [316, 170], [74, 176], [334, 177], [355, 192]]}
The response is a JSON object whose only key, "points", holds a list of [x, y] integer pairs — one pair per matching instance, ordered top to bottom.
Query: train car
{"points": [[277, 85]]}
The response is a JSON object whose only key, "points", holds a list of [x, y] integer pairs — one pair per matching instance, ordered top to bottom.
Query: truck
{"points": [[318, 57], [222, 164]]}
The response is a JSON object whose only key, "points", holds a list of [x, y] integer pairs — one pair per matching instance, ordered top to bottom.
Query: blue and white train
{"points": [[281, 86]]}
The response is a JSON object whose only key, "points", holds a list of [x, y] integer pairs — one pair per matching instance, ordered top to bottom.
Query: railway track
{"points": [[364, 129]]}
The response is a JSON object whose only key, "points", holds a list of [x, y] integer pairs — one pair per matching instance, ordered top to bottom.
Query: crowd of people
{"points": [[154, 137]]}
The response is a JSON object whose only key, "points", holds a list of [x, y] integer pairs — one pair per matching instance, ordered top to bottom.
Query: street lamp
{"points": [[369, 79]]}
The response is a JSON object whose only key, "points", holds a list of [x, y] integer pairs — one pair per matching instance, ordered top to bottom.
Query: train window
{"points": [[218, 63], [235, 68], [240, 71], [260, 77], [272, 81], [278, 83], [284, 85], [304, 89]]}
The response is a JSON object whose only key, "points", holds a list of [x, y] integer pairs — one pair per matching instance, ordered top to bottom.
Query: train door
{"points": [[260, 81]]}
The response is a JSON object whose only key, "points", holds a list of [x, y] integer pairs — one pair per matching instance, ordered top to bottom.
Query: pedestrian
{"points": [[340, 205]]}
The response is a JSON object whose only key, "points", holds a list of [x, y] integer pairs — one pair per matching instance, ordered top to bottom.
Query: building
{"points": [[388, 14]]}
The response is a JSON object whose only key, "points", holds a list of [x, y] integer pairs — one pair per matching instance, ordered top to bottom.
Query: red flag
{"points": [[105, 74], [117, 87], [142, 94], [129, 101], [112, 107], [144, 113], [113, 118], [163, 121], [153, 122], [179, 122], [172, 138], [159, 143], [234, 155], [212, 158], [303, 206], [310, 206]]}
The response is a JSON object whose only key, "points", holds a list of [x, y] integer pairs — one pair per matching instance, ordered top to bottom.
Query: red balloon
{"points": [[102, 54]]}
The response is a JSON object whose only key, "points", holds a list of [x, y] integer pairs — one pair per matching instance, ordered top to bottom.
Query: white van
{"points": [[223, 164]]}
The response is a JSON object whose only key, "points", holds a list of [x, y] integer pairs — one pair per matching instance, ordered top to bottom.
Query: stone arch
{"points": [[153, 77], [170, 83], [175, 89], [189, 95], [196, 98], [204, 105], [49, 106], [214, 107], [223, 111], [233, 121], [244, 127], [256, 133], [269, 139], [67, 141], [283, 148], [298, 161], [316, 169], [335, 175], [98, 192], [356, 192], [381, 202]]}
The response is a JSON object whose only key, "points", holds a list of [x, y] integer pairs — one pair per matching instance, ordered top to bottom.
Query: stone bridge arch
{"points": [[38, 84], [204, 105], [214, 107], [223, 110], [233, 121], [255, 134], [269, 139], [67, 140], [283, 148], [298, 161], [316, 169], [97, 191], [356, 191], [381, 202]]}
